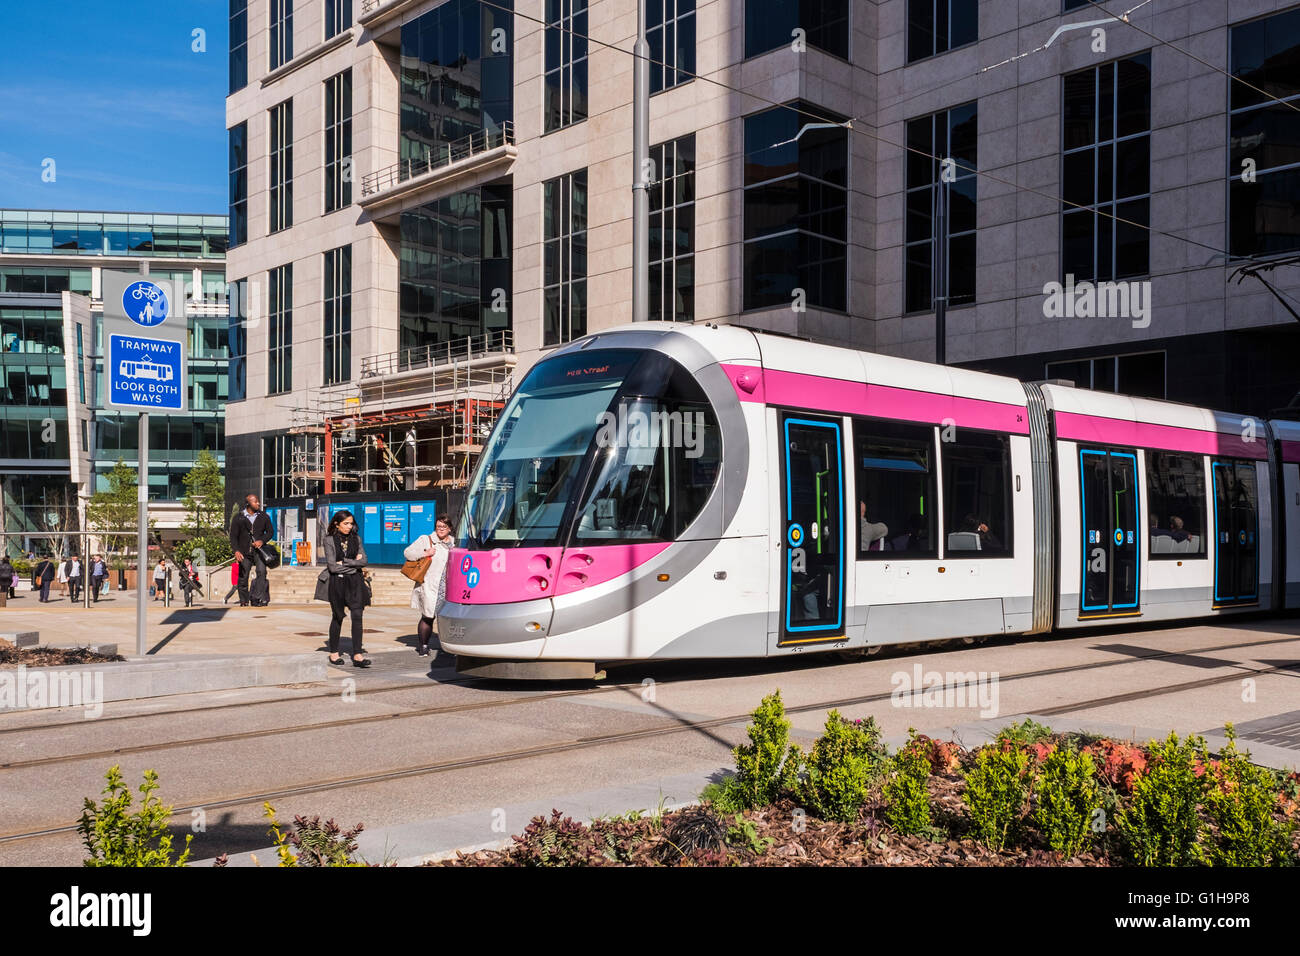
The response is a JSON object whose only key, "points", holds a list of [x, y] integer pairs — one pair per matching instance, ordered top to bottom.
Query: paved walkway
{"points": [[207, 628]]}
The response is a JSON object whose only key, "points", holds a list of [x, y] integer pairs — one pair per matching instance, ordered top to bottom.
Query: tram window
{"points": [[657, 457], [896, 490], [977, 494], [1175, 505]]}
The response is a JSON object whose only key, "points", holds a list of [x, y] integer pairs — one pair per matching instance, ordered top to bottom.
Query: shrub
{"points": [[216, 549], [1023, 734], [942, 754], [1118, 763], [841, 766], [763, 771], [997, 788], [726, 796], [907, 796], [1067, 799], [1240, 801], [1160, 819], [693, 832], [744, 835], [116, 837], [563, 841], [313, 843]]}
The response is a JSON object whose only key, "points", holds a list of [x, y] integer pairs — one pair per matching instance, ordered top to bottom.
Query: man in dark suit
{"points": [[249, 530], [45, 575]]}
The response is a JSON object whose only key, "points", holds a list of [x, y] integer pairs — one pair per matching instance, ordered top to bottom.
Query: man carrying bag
{"points": [[250, 530]]}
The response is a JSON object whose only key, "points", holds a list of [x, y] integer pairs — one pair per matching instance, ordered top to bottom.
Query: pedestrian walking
{"points": [[249, 530], [7, 573], [61, 575], [98, 575], [45, 576], [74, 578], [159, 579], [190, 581], [341, 584], [430, 592]]}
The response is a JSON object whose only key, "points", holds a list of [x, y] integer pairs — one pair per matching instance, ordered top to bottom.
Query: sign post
{"points": [[145, 337]]}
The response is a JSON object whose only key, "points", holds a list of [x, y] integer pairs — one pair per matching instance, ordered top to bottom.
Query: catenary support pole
{"points": [[642, 175], [142, 541]]}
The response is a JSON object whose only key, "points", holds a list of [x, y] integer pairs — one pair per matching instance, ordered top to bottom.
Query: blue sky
{"points": [[133, 117]]}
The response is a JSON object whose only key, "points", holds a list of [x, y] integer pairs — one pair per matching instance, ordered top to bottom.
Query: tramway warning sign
{"points": [[145, 337]]}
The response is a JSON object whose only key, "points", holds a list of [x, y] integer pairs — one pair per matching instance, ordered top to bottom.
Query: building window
{"points": [[1076, 4], [338, 17], [771, 26], [937, 26], [670, 33], [281, 40], [238, 44], [565, 94], [949, 135], [238, 137], [1264, 137], [338, 141], [1107, 171], [281, 191], [796, 209], [672, 231], [454, 270], [564, 271], [338, 315], [237, 340], [279, 346], [81, 368], [1141, 375], [277, 455], [896, 490], [977, 494], [1175, 505]]}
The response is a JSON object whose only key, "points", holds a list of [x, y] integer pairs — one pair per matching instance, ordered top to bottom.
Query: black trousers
{"points": [[245, 573], [97, 582], [74, 589], [45, 590], [346, 594]]}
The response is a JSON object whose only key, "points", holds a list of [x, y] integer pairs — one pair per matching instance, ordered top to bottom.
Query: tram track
{"points": [[1239, 671], [334, 692], [495, 703]]}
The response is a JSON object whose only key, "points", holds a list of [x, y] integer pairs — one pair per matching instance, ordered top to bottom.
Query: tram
{"points": [[658, 491]]}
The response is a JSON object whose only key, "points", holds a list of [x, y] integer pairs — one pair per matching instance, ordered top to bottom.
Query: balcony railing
{"points": [[436, 157], [443, 353]]}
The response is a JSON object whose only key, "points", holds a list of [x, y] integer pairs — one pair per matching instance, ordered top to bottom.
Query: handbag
{"points": [[270, 556], [417, 569], [367, 593]]}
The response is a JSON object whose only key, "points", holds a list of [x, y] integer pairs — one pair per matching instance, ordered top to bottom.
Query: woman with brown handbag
{"points": [[430, 591]]}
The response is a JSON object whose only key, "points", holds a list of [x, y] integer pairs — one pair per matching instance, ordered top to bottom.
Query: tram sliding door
{"points": [[812, 502], [1236, 533], [1111, 550]]}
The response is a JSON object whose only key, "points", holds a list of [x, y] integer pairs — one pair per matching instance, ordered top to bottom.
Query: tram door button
{"points": [[719, 575]]}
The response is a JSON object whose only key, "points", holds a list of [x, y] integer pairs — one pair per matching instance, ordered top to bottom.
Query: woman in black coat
{"points": [[341, 584]]}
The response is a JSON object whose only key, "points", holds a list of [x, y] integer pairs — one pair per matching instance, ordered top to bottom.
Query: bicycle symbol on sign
{"points": [[145, 303]]}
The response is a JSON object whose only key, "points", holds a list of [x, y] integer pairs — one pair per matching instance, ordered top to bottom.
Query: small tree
{"points": [[205, 496], [114, 512], [115, 836]]}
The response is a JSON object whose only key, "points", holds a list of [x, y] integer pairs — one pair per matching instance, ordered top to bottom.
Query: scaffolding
{"points": [[414, 420]]}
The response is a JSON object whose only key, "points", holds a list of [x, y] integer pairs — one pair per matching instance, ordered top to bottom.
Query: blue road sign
{"points": [[145, 303], [145, 372]]}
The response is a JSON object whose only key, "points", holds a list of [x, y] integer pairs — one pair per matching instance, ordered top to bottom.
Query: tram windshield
{"points": [[641, 421]]}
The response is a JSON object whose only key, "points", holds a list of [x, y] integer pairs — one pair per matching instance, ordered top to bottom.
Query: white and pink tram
{"points": [[659, 491]]}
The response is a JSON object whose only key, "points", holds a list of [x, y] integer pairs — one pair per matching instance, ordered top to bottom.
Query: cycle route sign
{"points": [[144, 343]]}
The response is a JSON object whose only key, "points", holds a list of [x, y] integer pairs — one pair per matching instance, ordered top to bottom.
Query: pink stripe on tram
{"points": [[817, 393], [1112, 431], [1291, 451]]}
